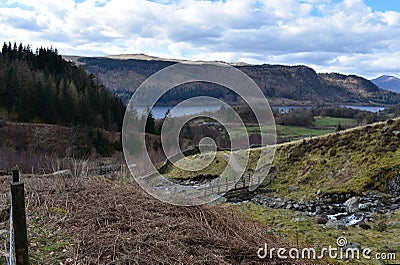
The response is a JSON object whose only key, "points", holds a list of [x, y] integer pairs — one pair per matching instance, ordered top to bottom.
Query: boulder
{"points": [[280, 204], [352, 204], [365, 206], [318, 210], [321, 220]]}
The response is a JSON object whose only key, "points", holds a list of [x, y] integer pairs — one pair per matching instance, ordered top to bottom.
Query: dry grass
{"points": [[104, 222]]}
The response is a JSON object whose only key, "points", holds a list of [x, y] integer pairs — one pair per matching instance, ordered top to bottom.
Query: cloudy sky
{"points": [[348, 36]]}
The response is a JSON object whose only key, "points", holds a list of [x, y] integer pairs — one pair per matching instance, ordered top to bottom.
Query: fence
{"points": [[225, 185], [18, 233], [18, 247]]}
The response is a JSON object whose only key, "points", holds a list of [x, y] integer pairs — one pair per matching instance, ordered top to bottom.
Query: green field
{"points": [[324, 122], [322, 125], [296, 132]]}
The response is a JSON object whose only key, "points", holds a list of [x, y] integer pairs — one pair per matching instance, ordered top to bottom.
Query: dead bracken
{"points": [[103, 222]]}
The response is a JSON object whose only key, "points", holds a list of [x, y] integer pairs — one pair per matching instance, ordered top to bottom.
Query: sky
{"points": [[359, 37]]}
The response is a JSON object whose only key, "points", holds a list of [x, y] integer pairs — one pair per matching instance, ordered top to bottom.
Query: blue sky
{"points": [[384, 5], [348, 36]]}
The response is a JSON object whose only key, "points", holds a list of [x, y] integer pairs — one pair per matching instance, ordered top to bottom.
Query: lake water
{"points": [[367, 108], [159, 111]]}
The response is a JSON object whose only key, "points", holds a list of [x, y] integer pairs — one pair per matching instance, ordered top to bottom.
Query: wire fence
{"points": [[18, 250], [11, 258]]}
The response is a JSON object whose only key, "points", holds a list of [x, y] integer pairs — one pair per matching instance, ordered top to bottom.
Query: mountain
{"points": [[388, 82], [283, 85]]}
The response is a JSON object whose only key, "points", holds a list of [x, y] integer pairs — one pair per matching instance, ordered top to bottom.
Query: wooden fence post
{"points": [[15, 175], [19, 219]]}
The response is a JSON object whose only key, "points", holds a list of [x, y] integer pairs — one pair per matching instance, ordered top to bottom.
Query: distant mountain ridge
{"points": [[388, 82], [282, 85]]}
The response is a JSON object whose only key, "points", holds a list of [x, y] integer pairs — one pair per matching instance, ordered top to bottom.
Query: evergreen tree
{"points": [[41, 86], [150, 123]]}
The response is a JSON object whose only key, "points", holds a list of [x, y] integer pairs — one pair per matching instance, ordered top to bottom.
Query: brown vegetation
{"points": [[43, 148], [103, 222]]}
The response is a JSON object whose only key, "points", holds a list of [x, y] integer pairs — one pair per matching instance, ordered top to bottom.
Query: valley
{"points": [[200, 132], [335, 172]]}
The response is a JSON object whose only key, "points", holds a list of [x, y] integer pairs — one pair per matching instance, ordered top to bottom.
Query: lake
{"points": [[366, 108], [159, 111]]}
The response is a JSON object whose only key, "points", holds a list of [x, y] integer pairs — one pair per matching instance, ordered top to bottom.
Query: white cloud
{"points": [[330, 35]]}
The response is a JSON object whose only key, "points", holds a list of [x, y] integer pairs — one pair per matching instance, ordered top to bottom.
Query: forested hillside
{"points": [[282, 85], [41, 86]]}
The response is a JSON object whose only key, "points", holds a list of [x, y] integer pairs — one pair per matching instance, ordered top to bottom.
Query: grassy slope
{"points": [[346, 162], [214, 169], [304, 231]]}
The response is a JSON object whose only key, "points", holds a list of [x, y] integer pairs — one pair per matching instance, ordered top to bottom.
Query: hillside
{"points": [[387, 82], [283, 85], [41, 86], [53, 111], [43, 147], [348, 162], [344, 184], [91, 220]]}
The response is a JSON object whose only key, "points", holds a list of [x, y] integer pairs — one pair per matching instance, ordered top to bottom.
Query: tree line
{"points": [[41, 86]]}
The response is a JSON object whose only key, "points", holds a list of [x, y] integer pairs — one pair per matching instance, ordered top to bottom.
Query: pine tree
{"points": [[42, 86], [150, 123]]}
